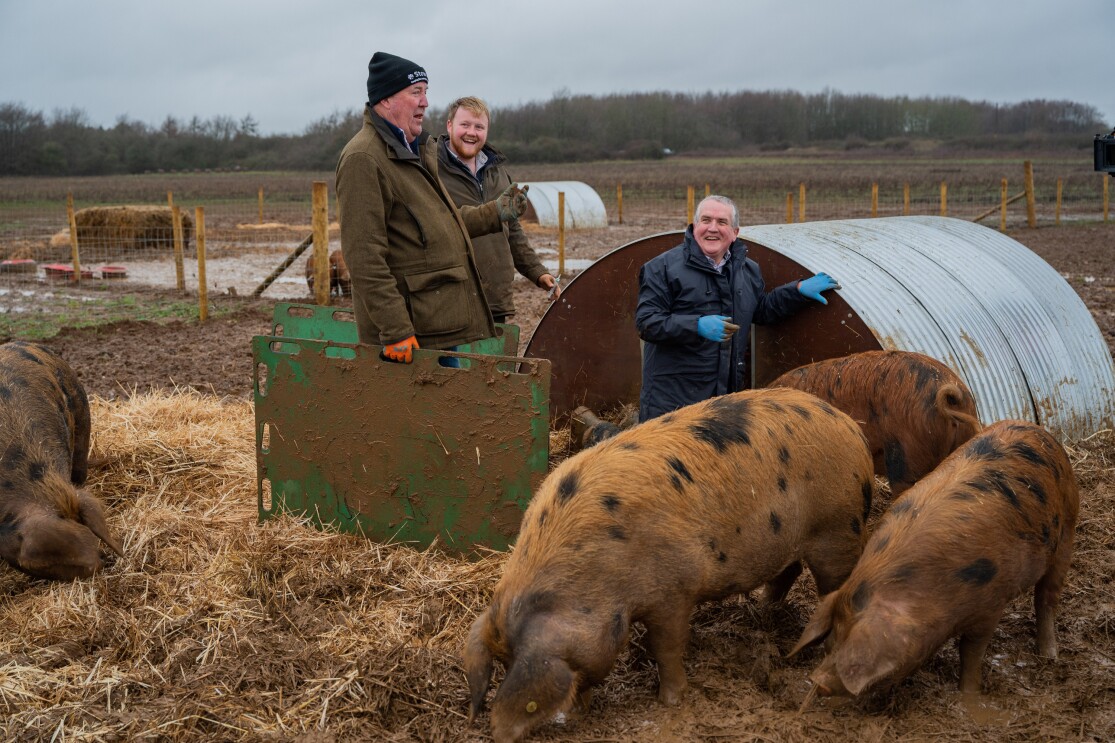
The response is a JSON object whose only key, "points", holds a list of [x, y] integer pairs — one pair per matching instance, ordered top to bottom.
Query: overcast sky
{"points": [[288, 63]]}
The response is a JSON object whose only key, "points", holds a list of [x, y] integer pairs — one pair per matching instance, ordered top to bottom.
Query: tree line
{"points": [[565, 128]]}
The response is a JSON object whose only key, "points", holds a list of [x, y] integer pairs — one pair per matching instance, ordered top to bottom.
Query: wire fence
{"points": [[246, 238]]}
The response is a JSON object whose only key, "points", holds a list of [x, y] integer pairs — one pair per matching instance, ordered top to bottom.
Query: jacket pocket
{"points": [[439, 301]]}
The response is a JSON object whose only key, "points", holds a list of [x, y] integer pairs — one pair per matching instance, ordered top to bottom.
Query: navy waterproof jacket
{"points": [[678, 287]]}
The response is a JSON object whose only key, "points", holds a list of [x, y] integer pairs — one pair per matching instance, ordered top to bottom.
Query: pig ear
{"points": [[91, 513], [820, 624], [478, 663]]}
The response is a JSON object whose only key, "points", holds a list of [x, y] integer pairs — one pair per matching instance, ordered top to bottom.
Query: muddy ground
{"points": [[741, 687]]}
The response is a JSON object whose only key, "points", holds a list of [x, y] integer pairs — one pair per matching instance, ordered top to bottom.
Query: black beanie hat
{"points": [[388, 74]]}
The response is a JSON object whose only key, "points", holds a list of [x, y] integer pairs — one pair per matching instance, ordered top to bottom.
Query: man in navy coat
{"points": [[692, 300]]}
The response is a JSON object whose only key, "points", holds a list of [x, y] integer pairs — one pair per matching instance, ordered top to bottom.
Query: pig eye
{"points": [[532, 707]]}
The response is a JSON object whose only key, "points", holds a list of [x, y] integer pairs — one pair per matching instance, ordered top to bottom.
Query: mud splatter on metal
{"points": [[399, 452]]}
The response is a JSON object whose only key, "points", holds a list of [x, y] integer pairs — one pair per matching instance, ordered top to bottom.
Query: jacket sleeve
{"points": [[364, 202], [481, 220], [526, 260], [779, 303], [654, 318]]}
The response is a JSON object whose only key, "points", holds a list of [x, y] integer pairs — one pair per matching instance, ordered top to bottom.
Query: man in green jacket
{"points": [[473, 173], [414, 277]]}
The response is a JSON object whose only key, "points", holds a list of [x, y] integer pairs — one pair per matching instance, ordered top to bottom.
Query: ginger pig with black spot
{"points": [[913, 409], [713, 499], [995, 519]]}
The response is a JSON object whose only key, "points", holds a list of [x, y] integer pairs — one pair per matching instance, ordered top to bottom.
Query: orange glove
{"points": [[401, 352]]}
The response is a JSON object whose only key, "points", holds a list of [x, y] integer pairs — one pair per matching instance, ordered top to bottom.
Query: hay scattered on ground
{"points": [[283, 226], [215, 627]]}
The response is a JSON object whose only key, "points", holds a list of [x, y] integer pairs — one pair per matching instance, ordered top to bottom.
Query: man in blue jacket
{"points": [[692, 300]]}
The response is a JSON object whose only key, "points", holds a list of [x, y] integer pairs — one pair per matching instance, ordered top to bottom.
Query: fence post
{"points": [[707, 190], [689, 197], [170, 198], [874, 199], [905, 199], [944, 199], [619, 201], [801, 202], [261, 204], [1003, 206], [789, 207], [1057, 212], [1031, 213], [319, 218], [561, 233], [75, 255], [179, 271], [202, 289]]}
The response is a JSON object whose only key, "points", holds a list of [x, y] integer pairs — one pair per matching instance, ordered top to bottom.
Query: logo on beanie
{"points": [[418, 76]]}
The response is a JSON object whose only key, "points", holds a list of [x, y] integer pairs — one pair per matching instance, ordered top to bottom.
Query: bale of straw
{"points": [[122, 230]]}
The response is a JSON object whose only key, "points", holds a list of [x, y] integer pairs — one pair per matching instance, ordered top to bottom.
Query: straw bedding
{"points": [[216, 627]]}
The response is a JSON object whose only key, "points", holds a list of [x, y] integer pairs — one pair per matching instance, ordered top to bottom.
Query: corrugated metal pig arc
{"points": [[979, 301]]}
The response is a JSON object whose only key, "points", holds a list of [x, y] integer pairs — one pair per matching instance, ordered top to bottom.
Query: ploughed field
{"points": [[214, 627]]}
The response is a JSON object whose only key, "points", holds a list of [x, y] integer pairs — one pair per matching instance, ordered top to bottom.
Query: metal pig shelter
{"points": [[977, 300]]}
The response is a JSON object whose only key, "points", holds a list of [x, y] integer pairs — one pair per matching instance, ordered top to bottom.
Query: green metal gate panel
{"points": [[338, 324], [399, 452]]}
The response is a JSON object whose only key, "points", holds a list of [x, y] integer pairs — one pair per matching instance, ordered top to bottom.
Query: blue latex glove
{"points": [[814, 285], [712, 327]]}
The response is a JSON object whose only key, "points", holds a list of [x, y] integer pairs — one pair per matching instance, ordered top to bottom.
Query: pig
{"points": [[340, 284], [913, 409], [588, 429], [714, 499], [995, 518], [49, 526]]}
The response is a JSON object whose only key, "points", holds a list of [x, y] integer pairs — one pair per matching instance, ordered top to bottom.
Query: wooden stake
{"points": [[707, 190], [689, 198], [170, 199], [874, 199], [905, 199], [944, 199], [619, 201], [801, 202], [261, 204], [1003, 206], [789, 207], [1031, 210], [1057, 211], [320, 221], [561, 233], [74, 254], [179, 270], [202, 289]]}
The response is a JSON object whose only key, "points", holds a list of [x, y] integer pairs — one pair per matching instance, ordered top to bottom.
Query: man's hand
{"points": [[512, 203], [547, 281], [814, 285], [716, 328], [401, 352]]}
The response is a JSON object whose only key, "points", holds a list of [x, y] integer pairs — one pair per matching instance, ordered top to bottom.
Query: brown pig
{"points": [[340, 283], [913, 409], [714, 499], [996, 518], [48, 527]]}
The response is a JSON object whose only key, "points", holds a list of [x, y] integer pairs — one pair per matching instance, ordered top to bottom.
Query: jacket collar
{"points": [[386, 132], [737, 252]]}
